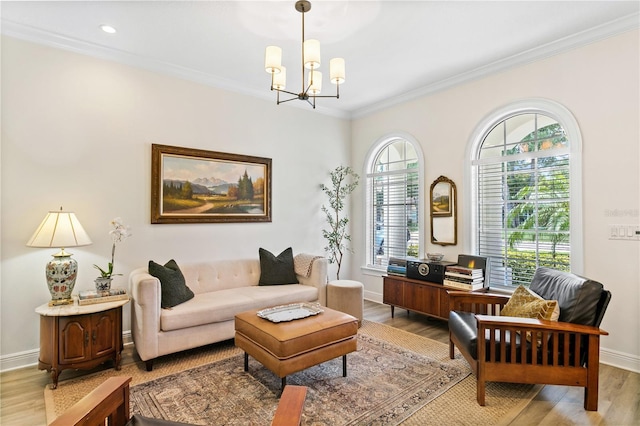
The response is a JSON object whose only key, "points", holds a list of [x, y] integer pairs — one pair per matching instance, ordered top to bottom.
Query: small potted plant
{"points": [[119, 233]]}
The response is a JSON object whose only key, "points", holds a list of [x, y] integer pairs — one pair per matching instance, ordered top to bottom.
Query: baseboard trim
{"points": [[29, 358], [620, 360]]}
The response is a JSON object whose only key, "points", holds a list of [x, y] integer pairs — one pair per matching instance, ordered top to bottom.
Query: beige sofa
{"points": [[222, 289]]}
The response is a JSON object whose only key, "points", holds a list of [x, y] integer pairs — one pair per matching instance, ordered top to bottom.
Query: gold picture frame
{"points": [[198, 186]]}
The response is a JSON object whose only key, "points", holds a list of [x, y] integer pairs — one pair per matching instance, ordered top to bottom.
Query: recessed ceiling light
{"points": [[107, 29]]}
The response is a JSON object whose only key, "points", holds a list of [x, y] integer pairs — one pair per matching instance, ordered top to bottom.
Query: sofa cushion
{"points": [[276, 270], [173, 287], [577, 297], [525, 303], [223, 305]]}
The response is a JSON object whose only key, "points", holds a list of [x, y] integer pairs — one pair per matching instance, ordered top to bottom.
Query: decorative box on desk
{"points": [[79, 337]]}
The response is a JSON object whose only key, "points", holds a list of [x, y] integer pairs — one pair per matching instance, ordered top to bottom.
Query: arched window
{"points": [[525, 183], [394, 200]]}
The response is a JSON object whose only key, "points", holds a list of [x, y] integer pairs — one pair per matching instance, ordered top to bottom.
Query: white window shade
{"points": [[393, 188], [523, 192]]}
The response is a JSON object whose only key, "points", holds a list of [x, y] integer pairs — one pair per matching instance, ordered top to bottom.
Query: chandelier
{"points": [[310, 61]]}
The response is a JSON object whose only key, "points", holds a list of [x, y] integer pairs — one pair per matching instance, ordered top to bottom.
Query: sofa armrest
{"points": [[317, 278], [478, 303], [145, 312]]}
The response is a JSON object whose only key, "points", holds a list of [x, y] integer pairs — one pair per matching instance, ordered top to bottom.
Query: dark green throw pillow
{"points": [[275, 270], [172, 283]]}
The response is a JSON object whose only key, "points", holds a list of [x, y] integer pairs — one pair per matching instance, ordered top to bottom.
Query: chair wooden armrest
{"points": [[478, 303], [537, 325], [109, 401], [289, 411]]}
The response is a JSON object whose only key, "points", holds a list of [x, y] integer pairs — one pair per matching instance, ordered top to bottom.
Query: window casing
{"points": [[394, 201], [526, 207]]}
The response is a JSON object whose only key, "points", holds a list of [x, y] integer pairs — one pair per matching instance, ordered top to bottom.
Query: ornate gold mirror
{"points": [[444, 212]]}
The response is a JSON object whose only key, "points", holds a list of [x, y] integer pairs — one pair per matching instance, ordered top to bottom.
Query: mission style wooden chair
{"points": [[523, 350], [108, 404]]}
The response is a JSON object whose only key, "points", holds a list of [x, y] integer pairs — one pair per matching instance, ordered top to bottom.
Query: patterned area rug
{"points": [[385, 384], [455, 406]]}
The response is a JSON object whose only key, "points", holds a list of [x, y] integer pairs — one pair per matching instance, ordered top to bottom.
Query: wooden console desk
{"points": [[419, 296], [73, 336]]}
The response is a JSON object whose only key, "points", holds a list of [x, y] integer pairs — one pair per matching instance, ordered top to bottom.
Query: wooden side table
{"points": [[79, 337]]}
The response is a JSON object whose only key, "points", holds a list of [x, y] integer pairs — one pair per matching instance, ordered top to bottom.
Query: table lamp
{"points": [[60, 229]]}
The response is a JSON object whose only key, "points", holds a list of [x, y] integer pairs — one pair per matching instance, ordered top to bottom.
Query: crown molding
{"points": [[592, 35], [39, 36], [59, 41]]}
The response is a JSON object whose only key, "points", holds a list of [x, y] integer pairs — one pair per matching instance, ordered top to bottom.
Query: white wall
{"points": [[599, 84], [77, 132]]}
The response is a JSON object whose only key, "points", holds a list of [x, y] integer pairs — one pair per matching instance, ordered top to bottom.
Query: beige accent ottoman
{"points": [[346, 296], [292, 346]]}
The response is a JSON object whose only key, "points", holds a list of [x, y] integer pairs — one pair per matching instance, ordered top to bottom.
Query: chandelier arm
{"points": [[302, 84], [286, 91], [288, 100], [312, 104]]}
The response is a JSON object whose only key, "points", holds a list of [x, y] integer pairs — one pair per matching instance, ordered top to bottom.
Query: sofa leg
{"points": [[149, 364]]}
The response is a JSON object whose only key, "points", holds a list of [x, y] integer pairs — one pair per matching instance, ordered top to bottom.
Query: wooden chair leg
{"points": [[452, 349], [593, 371], [481, 385], [480, 392]]}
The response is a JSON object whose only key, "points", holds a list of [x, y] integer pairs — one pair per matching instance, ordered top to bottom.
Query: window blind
{"points": [[393, 191], [524, 200]]}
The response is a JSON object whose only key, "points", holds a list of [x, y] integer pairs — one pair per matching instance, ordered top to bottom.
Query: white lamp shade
{"points": [[312, 54], [272, 59], [337, 70], [280, 79], [315, 82], [59, 229]]}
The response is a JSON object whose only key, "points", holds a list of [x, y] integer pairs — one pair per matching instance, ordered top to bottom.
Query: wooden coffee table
{"points": [[292, 346]]}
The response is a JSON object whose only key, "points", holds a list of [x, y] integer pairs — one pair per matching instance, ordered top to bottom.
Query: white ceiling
{"points": [[394, 50]]}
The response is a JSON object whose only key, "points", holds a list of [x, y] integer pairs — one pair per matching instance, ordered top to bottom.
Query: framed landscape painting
{"points": [[198, 186], [441, 197]]}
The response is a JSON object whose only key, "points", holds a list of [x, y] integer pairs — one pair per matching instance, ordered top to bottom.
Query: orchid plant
{"points": [[119, 233]]}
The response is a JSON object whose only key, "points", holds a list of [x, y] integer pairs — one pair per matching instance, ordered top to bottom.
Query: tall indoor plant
{"points": [[343, 181]]}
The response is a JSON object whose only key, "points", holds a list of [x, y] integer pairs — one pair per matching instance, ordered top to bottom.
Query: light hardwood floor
{"points": [[22, 403]]}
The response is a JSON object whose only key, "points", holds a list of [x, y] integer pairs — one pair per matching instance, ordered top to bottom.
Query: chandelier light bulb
{"points": [[311, 54], [273, 59], [337, 70], [280, 79], [315, 82]]}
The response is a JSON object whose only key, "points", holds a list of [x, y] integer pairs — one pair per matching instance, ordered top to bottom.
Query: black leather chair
{"points": [[565, 352]]}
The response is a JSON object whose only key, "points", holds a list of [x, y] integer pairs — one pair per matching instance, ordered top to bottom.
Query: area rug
{"points": [[395, 377]]}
